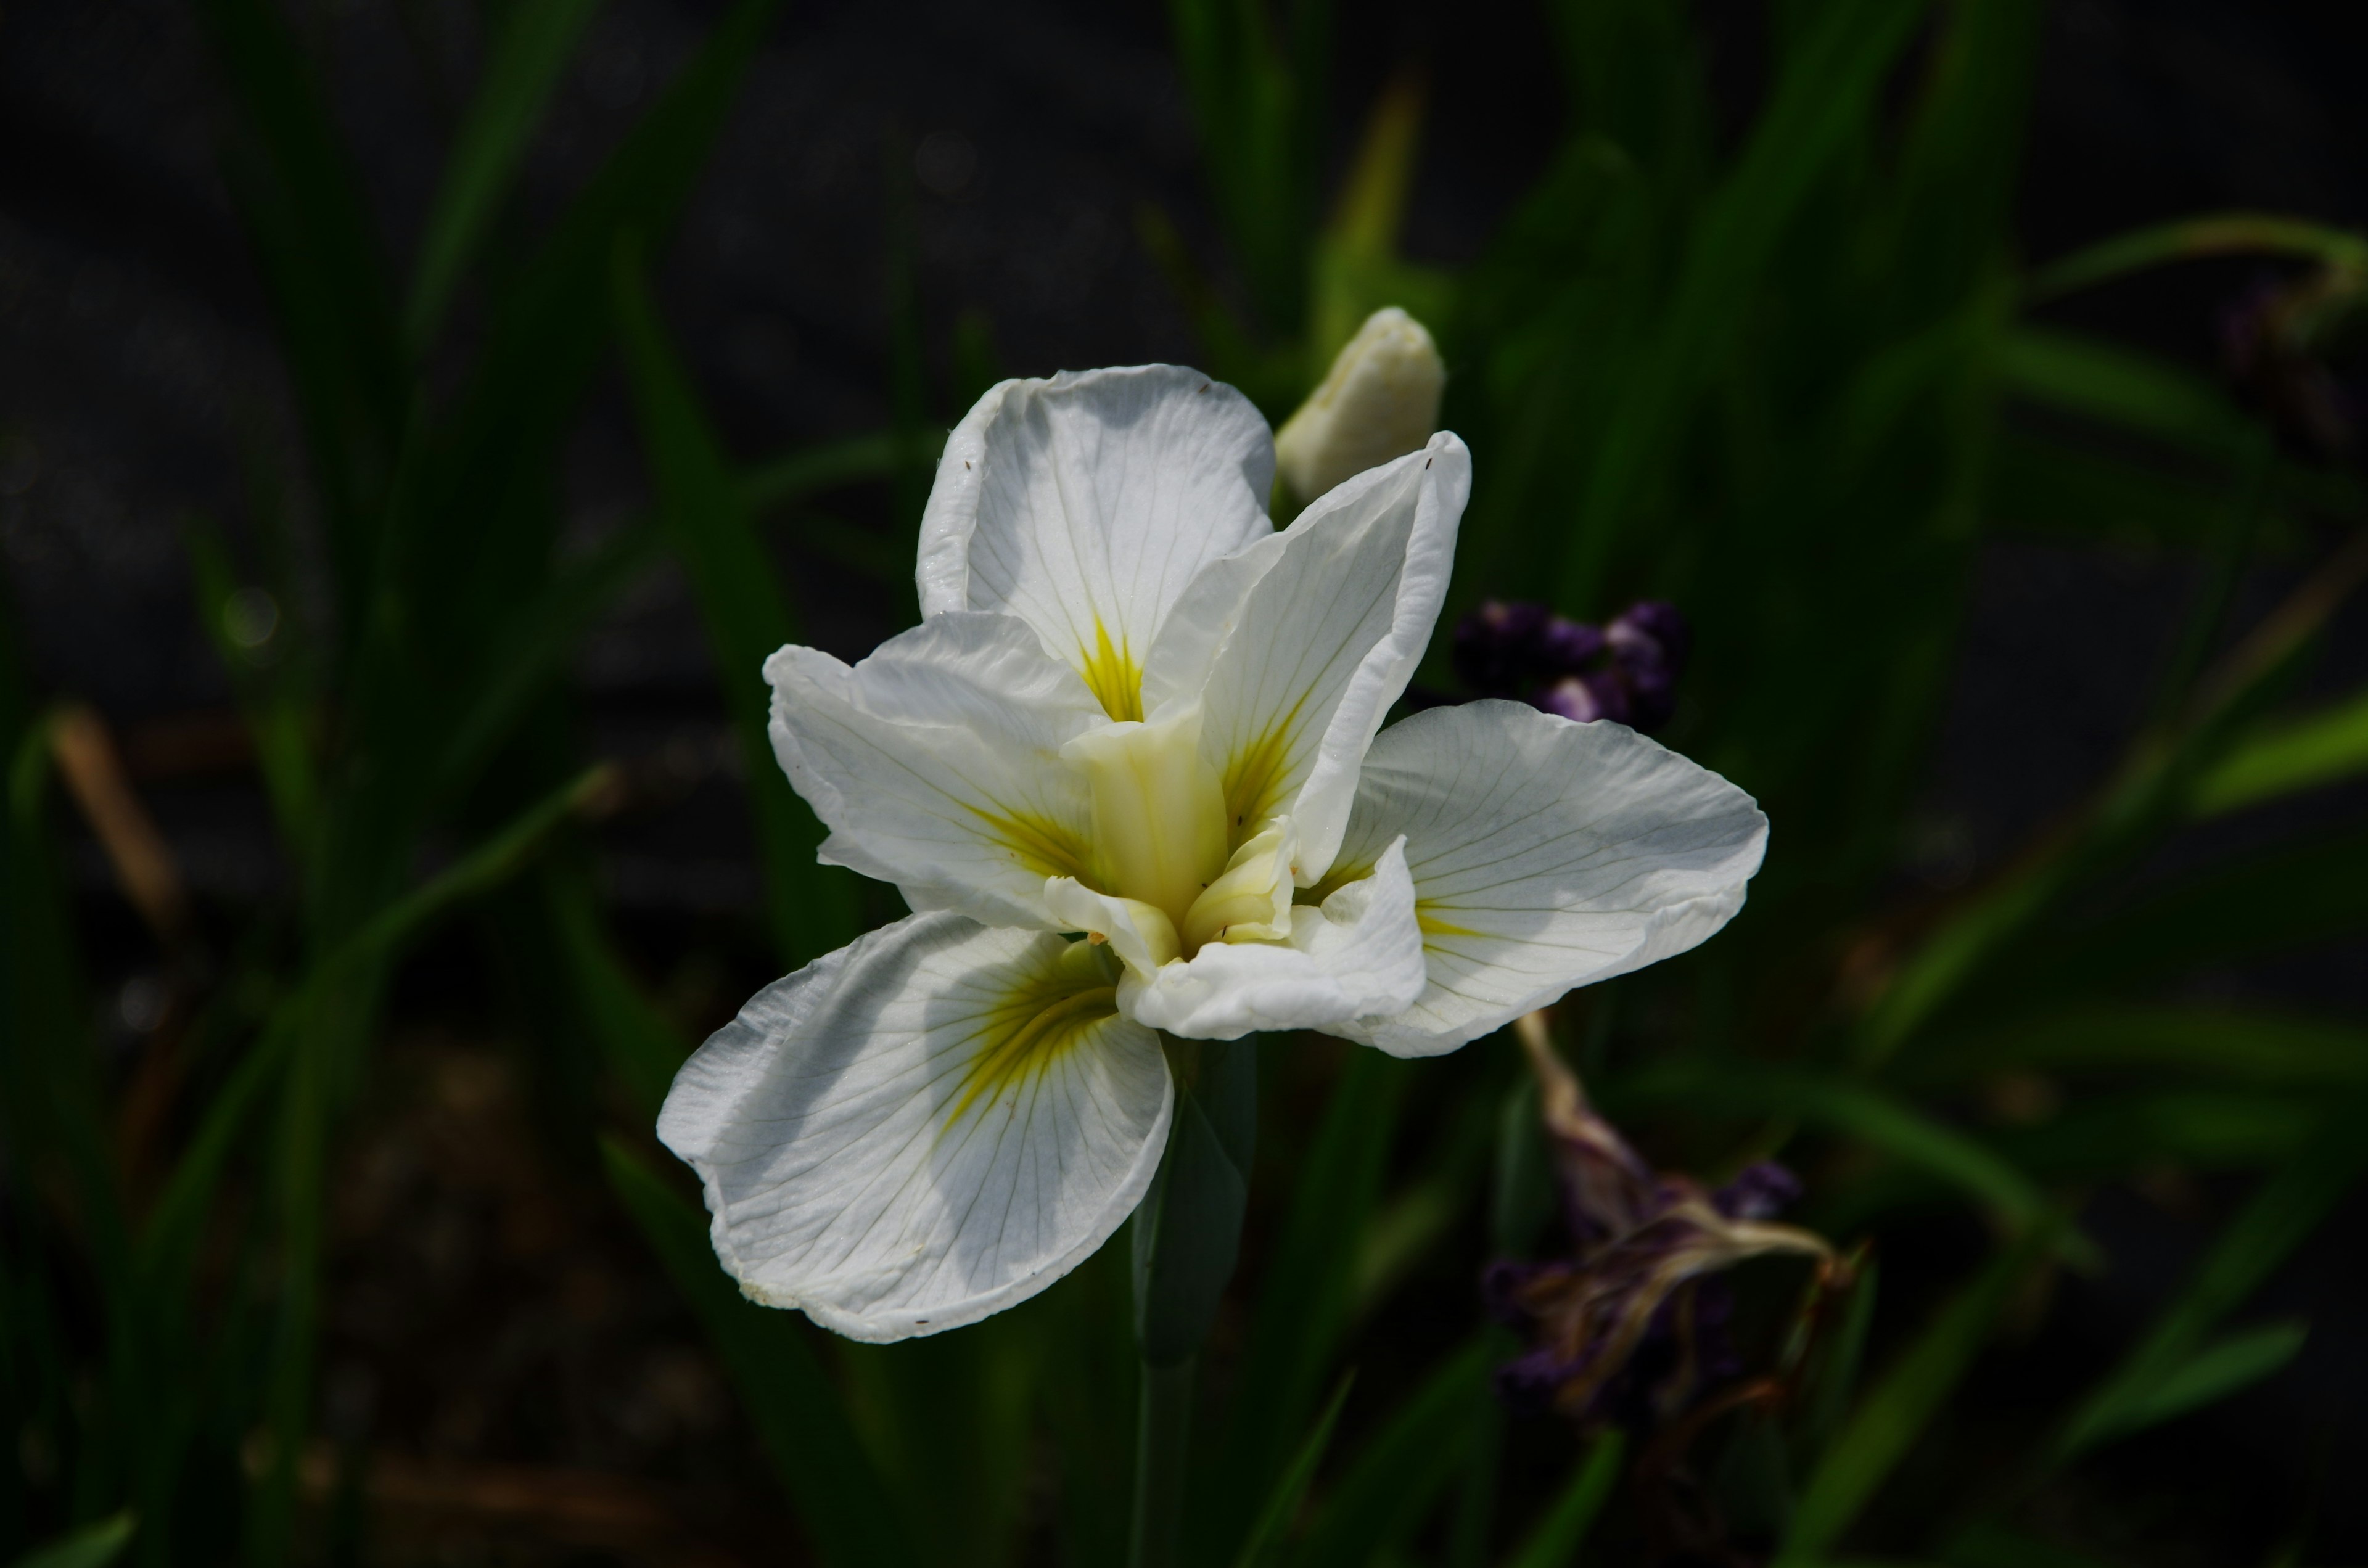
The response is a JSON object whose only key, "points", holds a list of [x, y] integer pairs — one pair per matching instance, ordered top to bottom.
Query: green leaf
{"points": [[533, 44], [1819, 110], [2217, 233], [2121, 388], [794, 476], [2052, 490], [744, 613], [2285, 757], [642, 1047], [2262, 1050], [1854, 1109], [2282, 1211], [1188, 1229], [1304, 1298], [2227, 1366], [1834, 1379], [1887, 1424], [1393, 1480], [840, 1499], [1554, 1541], [1265, 1542], [92, 1546]]}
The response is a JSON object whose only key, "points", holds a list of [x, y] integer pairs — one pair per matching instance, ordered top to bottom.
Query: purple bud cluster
{"points": [[1625, 671]]}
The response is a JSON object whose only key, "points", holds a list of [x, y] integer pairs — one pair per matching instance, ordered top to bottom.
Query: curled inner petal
{"points": [[1159, 812], [1250, 901]]}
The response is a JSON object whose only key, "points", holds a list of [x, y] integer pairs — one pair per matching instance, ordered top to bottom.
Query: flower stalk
{"points": [[1187, 1235]]}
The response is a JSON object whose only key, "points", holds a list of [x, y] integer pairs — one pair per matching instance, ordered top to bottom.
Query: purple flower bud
{"points": [[1651, 632], [1495, 646], [1564, 646], [1587, 697]]}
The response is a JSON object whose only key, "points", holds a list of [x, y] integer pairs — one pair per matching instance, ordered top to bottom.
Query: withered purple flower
{"points": [[1631, 1326]]}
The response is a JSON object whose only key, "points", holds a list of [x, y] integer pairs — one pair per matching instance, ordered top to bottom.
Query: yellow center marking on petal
{"points": [[1113, 675], [1255, 775], [1043, 846], [1333, 881], [1433, 926], [1033, 1034]]}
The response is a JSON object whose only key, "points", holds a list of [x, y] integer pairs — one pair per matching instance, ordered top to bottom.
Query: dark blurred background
{"points": [[483, 1312]]}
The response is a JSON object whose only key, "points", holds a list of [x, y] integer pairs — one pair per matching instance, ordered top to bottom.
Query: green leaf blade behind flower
{"points": [[533, 44], [743, 610], [1895, 1413], [841, 1500]]}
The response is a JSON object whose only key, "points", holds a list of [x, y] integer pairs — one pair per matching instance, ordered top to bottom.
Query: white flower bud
{"points": [[1380, 401]]}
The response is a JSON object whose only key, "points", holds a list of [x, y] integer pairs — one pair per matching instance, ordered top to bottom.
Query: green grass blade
{"points": [[522, 66], [1829, 87], [2218, 233], [2121, 388], [795, 476], [744, 611], [2287, 758], [2221, 1046], [642, 1049], [1852, 1110], [2281, 1213], [1304, 1299], [2227, 1366], [1888, 1423], [1392, 1481], [841, 1500], [1555, 1540], [1264, 1543], [92, 1546]]}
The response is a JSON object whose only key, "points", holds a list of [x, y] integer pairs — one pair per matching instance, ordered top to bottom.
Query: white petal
{"points": [[1085, 505], [1324, 642], [936, 763], [1545, 856], [1140, 934], [1359, 953], [885, 1146]]}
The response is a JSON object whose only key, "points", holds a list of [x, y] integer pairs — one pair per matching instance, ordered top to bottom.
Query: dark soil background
{"points": [[498, 1336]]}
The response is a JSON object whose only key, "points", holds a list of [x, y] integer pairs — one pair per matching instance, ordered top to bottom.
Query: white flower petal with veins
{"points": [[1085, 505], [936, 763], [1545, 856], [885, 1146]]}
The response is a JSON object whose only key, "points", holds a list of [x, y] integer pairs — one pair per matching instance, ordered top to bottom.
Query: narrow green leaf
{"points": [[523, 63], [2217, 233], [2121, 388], [794, 476], [744, 613], [2286, 757], [641, 1048], [2262, 1050], [1854, 1109], [2282, 1211], [1304, 1299], [2227, 1366], [1834, 1379], [1887, 1424], [1393, 1480], [840, 1499], [1555, 1540], [1265, 1542], [92, 1546]]}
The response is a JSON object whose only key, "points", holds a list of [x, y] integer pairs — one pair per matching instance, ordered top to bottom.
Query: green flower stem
{"points": [[1186, 1235], [1163, 1435]]}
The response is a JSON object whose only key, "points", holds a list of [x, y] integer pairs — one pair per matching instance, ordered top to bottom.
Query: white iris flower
{"points": [[1134, 710]]}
